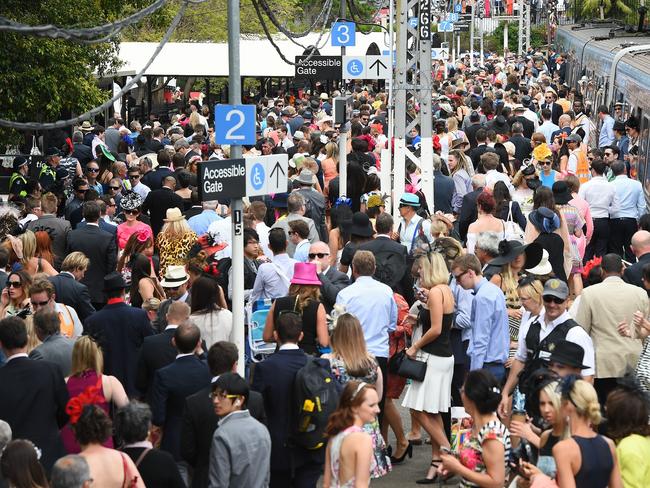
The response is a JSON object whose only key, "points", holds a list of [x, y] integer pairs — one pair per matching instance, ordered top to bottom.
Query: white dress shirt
{"points": [[601, 197], [631, 200]]}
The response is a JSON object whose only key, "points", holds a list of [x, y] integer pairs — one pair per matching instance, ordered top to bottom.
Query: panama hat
{"points": [[174, 215], [174, 276]]}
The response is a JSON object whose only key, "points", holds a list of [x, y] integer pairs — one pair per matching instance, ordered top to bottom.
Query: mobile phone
{"points": [[446, 450]]}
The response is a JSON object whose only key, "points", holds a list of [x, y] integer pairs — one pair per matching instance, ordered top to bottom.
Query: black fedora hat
{"points": [[561, 193], [359, 225], [509, 250], [114, 281], [569, 354]]}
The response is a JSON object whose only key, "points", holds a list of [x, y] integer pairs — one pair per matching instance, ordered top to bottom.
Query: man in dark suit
{"points": [[556, 109], [528, 126], [473, 128], [522, 144], [480, 149], [80, 151], [154, 179], [443, 188], [158, 201], [468, 209], [103, 225], [640, 244], [99, 247], [390, 256], [332, 280], [68, 289], [120, 330], [158, 350], [274, 378], [173, 384], [33, 394], [199, 419]]}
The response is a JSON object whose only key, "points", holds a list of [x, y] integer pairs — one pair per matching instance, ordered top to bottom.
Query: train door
{"points": [[641, 163]]}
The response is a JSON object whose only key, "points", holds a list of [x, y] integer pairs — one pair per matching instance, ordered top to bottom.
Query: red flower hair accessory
{"points": [[143, 235], [591, 264], [90, 396]]}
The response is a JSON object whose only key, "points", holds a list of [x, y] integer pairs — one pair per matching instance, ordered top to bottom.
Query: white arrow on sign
{"points": [[440, 53], [378, 67], [266, 174]]}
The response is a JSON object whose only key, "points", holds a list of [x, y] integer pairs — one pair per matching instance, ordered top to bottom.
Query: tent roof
{"points": [[208, 59]]}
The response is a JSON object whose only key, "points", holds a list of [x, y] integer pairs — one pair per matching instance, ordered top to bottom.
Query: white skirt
{"points": [[432, 395]]}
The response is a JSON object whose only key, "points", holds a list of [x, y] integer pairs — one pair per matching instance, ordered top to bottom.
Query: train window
{"points": [[643, 160]]}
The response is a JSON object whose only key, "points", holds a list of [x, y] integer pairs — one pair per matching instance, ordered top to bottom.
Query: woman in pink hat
{"points": [[303, 299]]}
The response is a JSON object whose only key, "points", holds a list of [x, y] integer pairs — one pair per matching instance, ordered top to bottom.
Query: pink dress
{"points": [[124, 231], [76, 385]]}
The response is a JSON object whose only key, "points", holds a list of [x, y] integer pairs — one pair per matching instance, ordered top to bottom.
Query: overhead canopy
{"points": [[208, 59]]}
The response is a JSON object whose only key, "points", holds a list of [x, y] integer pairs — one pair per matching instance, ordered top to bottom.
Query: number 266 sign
{"points": [[234, 124]]}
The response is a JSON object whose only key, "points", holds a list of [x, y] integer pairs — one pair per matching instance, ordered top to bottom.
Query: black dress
{"points": [[554, 245], [309, 314], [157, 468]]}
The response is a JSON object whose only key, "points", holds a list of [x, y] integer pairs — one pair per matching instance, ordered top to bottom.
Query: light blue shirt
{"points": [[606, 137], [631, 201], [200, 223], [301, 253], [273, 279], [373, 304], [463, 310], [490, 339]]}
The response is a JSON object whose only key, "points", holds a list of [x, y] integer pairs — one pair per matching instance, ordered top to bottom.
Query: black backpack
{"points": [[389, 268], [315, 398]]}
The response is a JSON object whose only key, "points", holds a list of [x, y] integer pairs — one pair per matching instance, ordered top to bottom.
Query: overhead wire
{"points": [[269, 13], [88, 35], [127, 87]]}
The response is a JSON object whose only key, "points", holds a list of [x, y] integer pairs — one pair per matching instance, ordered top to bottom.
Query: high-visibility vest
{"points": [[582, 170], [20, 178], [67, 324]]}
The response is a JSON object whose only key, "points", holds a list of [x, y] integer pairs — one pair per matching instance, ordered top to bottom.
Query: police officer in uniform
{"points": [[47, 175], [18, 180], [538, 341]]}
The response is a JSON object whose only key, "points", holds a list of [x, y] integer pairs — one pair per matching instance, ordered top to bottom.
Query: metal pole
{"points": [[342, 13], [471, 37], [505, 37], [520, 40], [481, 42], [400, 105], [426, 122], [387, 154], [343, 161], [237, 206]]}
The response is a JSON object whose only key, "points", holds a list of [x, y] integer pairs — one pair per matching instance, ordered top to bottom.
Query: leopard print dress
{"points": [[173, 250]]}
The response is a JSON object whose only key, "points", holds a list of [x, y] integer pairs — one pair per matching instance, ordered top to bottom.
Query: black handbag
{"points": [[404, 366]]}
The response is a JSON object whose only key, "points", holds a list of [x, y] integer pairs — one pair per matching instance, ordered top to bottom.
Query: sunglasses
{"points": [[545, 163], [92, 170], [134, 177], [114, 188], [81, 190], [132, 212], [319, 255], [14, 284], [556, 300], [40, 304]]}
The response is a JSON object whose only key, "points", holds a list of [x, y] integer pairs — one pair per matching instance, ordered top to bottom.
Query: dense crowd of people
{"points": [[518, 296]]}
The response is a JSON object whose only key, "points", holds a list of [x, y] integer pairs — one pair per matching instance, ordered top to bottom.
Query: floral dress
{"points": [[578, 244], [471, 452], [335, 455], [381, 465]]}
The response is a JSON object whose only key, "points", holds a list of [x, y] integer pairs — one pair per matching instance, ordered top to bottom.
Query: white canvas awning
{"points": [[207, 59]]}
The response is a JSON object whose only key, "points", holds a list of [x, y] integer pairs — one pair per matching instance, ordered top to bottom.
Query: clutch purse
{"points": [[404, 366]]}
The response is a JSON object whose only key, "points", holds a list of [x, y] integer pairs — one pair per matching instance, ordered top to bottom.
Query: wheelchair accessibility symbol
{"points": [[355, 67], [257, 176]]}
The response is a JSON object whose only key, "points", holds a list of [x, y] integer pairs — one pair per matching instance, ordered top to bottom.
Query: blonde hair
{"points": [[452, 124], [332, 150], [462, 162], [439, 228], [176, 229], [28, 238], [74, 261], [433, 270], [509, 283], [534, 289], [304, 294], [349, 345], [86, 355], [551, 391], [584, 398]]}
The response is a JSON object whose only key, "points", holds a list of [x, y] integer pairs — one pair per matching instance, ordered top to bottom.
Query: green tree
{"points": [[613, 9], [43, 79]]}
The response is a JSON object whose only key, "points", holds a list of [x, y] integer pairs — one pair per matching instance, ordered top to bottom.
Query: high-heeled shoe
{"points": [[399, 460], [429, 481]]}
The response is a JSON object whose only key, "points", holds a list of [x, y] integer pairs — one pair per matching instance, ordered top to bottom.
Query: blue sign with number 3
{"points": [[343, 34], [234, 124]]}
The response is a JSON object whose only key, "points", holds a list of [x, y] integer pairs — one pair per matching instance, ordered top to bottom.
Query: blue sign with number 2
{"points": [[234, 124]]}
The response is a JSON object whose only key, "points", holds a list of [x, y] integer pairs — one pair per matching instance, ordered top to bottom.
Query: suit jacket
{"points": [[556, 111], [529, 126], [471, 131], [522, 146], [83, 153], [476, 153], [154, 181], [443, 191], [157, 203], [468, 212], [103, 225], [58, 230], [100, 247], [633, 274], [3, 279], [332, 283], [402, 284], [72, 293], [602, 307], [120, 331], [56, 349], [274, 378], [171, 386], [33, 397], [199, 424]]}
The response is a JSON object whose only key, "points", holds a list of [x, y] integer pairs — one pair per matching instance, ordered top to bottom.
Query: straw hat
{"points": [[174, 215]]}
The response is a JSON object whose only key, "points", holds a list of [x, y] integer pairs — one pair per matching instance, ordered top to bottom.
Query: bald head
{"points": [[564, 120], [641, 243], [321, 255]]}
